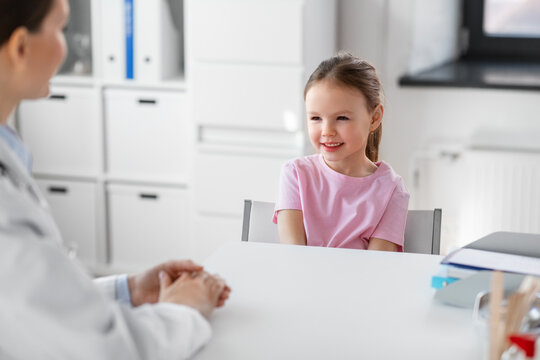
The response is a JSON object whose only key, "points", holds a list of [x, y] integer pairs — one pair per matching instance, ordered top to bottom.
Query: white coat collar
{"points": [[12, 168]]}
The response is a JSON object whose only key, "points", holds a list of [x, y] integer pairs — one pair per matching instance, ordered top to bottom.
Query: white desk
{"points": [[293, 302]]}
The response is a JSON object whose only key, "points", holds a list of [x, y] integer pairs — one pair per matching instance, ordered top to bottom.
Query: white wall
{"points": [[362, 29], [383, 32], [401, 36]]}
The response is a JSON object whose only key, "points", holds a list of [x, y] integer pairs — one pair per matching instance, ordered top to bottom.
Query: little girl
{"points": [[342, 197]]}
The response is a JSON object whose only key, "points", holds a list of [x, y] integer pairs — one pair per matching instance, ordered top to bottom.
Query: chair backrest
{"points": [[257, 225], [422, 232]]}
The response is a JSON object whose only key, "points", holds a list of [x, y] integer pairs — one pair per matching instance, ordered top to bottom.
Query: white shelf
{"points": [[74, 80], [177, 83], [68, 177], [146, 180]]}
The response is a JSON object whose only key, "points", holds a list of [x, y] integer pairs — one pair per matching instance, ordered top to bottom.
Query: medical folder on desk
{"points": [[505, 251], [516, 254]]}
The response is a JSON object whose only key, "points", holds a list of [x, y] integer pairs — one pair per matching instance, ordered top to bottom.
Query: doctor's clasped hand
{"points": [[162, 284]]}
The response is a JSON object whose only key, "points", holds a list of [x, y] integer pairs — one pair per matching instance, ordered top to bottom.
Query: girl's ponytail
{"points": [[372, 148]]}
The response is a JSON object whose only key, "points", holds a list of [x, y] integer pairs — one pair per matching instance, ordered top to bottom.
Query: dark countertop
{"points": [[492, 74]]}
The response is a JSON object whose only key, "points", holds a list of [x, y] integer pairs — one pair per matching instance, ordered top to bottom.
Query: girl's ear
{"points": [[18, 47], [376, 117]]}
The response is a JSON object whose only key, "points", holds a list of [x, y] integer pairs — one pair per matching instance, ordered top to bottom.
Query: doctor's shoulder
{"points": [[21, 201]]}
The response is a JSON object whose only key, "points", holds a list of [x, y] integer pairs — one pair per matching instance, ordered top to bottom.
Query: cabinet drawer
{"points": [[251, 31], [249, 96], [63, 132], [148, 136], [223, 181], [73, 205], [147, 225]]}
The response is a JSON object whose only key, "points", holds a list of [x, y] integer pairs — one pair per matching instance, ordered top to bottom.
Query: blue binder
{"points": [[129, 38]]}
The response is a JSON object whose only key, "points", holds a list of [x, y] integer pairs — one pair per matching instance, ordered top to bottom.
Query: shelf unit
{"points": [[90, 136], [140, 171]]}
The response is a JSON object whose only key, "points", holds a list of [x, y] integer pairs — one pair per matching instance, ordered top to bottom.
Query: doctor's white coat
{"points": [[51, 309]]}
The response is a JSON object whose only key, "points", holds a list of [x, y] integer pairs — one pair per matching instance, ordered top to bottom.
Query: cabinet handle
{"points": [[57, 97], [147, 101], [58, 189], [149, 196]]}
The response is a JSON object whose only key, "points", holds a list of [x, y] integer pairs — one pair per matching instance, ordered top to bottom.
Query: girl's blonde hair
{"points": [[351, 71]]}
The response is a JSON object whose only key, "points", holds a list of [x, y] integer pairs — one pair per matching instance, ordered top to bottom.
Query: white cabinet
{"points": [[267, 32], [140, 40], [158, 46], [248, 62], [253, 62], [249, 96], [100, 130], [63, 132], [148, 135], [149, 146], [223, 180], [73, 205], [147, 225]]}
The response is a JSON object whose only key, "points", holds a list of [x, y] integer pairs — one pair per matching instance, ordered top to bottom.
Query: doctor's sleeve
{"points": [[115, 287], [53, 302]]}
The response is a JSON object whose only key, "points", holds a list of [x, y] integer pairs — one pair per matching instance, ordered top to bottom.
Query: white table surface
{"points": [[296, 302]]}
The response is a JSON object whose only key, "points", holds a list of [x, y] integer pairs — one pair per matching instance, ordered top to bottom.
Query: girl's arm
{"points": [[291, 227], [382, 245]]}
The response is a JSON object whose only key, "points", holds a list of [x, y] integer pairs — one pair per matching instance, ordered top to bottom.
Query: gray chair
{"points": [[422, 232]]}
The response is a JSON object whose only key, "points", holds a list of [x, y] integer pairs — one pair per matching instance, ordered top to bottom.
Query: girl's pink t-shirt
{"points": [[344, 211]]}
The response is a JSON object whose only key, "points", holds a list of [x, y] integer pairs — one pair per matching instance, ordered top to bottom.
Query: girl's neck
{"points": [[357, 168]]}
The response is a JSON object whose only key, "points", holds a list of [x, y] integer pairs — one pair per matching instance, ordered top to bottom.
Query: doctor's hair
{"points": [[25, 13], [348, 70]]}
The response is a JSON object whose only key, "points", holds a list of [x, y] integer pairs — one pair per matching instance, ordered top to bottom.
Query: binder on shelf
{"points": [[129, 38], [113, 39], [157, 40]]}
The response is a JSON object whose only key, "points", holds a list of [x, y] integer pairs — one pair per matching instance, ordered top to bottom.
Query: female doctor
{"points": [[49, 307]]}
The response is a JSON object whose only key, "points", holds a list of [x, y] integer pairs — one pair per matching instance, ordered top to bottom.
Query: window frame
{"points": [[483, 46]]}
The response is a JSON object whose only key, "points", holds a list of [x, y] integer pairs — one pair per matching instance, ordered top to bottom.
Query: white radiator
{"points": [[480, 191]]}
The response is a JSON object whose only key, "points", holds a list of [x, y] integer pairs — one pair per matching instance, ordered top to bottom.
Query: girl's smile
{"points": [[331, 147]]}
